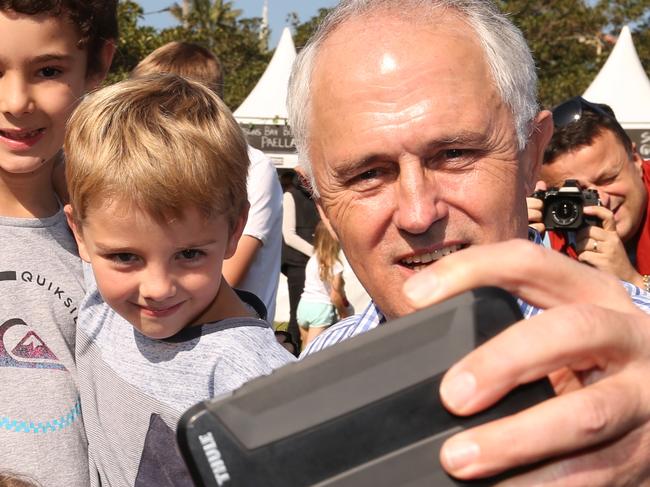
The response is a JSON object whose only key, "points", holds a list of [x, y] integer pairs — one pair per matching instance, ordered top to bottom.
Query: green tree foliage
{"points": [[206, 15], [214, 25], [303, 31], [570, 39], [134, 43]]}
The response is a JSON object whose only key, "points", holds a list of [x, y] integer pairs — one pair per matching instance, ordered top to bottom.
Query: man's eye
{"points": [[49, 72], [454, 153], [454, 159], [366, 175], [607, 181], [191, 254]]}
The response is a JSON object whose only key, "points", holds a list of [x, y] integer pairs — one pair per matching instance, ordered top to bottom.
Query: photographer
{"points": [[590, 146]]}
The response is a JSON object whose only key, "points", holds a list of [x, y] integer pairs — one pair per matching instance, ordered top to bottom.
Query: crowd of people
{"points": [[145, 280]]}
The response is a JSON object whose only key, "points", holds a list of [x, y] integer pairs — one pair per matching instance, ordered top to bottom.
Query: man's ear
{"points": [[106, 53], [534, 153], [637, 160], [305, 180], [76, 231], [236, 232]]}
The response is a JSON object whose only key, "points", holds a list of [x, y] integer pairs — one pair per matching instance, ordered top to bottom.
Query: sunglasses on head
{"points": [[571, 111]]}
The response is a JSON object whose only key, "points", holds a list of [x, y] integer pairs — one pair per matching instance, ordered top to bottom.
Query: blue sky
{"points": [[278, 11]]}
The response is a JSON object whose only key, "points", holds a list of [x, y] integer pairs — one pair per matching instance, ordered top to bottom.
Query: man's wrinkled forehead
{"points": [[376, 41], [383, 53]]}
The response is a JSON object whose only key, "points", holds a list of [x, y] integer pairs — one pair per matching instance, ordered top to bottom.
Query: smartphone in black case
{"points": [[365, 412]]}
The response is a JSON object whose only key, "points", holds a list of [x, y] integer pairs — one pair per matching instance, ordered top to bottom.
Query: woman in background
{"points": [[323, 297]]}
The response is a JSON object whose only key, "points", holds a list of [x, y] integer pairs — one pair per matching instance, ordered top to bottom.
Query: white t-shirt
{"points": [[265, 224], [315, 290]]}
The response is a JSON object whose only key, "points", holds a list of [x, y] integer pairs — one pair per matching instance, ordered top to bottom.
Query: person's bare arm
{"points": [[291, 238], [235, 269], [338, 297], [591, 340]]}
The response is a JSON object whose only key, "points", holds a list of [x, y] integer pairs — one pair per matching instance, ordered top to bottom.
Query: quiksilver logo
{"points": [[213, 455]]}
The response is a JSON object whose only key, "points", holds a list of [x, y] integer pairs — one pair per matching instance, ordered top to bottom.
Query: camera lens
{"points": [[564, 212]]}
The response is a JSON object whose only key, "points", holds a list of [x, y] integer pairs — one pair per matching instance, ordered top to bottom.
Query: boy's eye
{"points": [[49, 72], [191, 254], [123, 258]]}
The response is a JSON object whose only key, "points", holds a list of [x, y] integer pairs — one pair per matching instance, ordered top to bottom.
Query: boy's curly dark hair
{"points": [[96, 20]]}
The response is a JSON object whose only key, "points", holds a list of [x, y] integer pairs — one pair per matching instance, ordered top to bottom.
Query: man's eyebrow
{"points": [[464, 137], [478, 140], [351, 167], [610, 171]]}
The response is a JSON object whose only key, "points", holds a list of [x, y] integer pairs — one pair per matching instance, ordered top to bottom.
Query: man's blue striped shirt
{"points": [[373, 317]]}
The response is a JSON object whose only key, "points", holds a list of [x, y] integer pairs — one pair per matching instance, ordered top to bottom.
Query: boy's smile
{"points": [[43, 74], [21, 139], [161, 276]]}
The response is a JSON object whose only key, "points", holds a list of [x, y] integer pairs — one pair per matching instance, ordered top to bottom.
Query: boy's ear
{"points": [[106, 58], [76, 231], [237, 231]]}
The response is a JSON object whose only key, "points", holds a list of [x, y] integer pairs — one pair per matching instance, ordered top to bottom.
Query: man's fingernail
{"points": [[421, 287], [458, 390], [459, 454]]}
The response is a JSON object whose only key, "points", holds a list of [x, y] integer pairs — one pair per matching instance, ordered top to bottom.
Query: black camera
{"points": [[563, 207], [368, 412]]}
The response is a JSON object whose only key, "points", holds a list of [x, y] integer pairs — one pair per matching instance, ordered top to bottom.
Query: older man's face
{"points": [[413, 152]]}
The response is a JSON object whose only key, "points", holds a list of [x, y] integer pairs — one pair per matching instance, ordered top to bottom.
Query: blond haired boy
{"points": [[51, 53], [156, 171], [255, 265]]}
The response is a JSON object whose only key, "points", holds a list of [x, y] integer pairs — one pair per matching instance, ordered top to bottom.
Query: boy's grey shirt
{"points": [[41, 285], [134, 388]]}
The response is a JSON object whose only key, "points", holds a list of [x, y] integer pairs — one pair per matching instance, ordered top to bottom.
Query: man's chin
{"points": [[393, 310]]}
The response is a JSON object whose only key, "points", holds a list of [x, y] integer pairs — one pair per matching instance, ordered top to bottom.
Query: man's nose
{"points": [[15, 95], [418, 200], [157, 283]]}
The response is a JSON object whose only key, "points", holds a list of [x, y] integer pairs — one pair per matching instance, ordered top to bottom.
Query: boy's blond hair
{"points": [[186, 59], [160, 143]]}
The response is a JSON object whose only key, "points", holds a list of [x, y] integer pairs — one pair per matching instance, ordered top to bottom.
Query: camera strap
{"points": [[563, 242]]}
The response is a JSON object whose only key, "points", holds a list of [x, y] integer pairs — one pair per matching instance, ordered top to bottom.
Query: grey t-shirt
{"points": [[41, 284], [134, 388]]}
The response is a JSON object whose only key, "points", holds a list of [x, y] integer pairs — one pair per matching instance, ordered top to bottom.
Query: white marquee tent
{"points": [[623, 85], [263, 114]]}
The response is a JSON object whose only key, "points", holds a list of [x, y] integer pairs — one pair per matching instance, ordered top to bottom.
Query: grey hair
{"points": [[508, 56]]}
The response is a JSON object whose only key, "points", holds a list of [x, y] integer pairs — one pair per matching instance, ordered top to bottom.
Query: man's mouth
{"points": [[420, 261]]}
